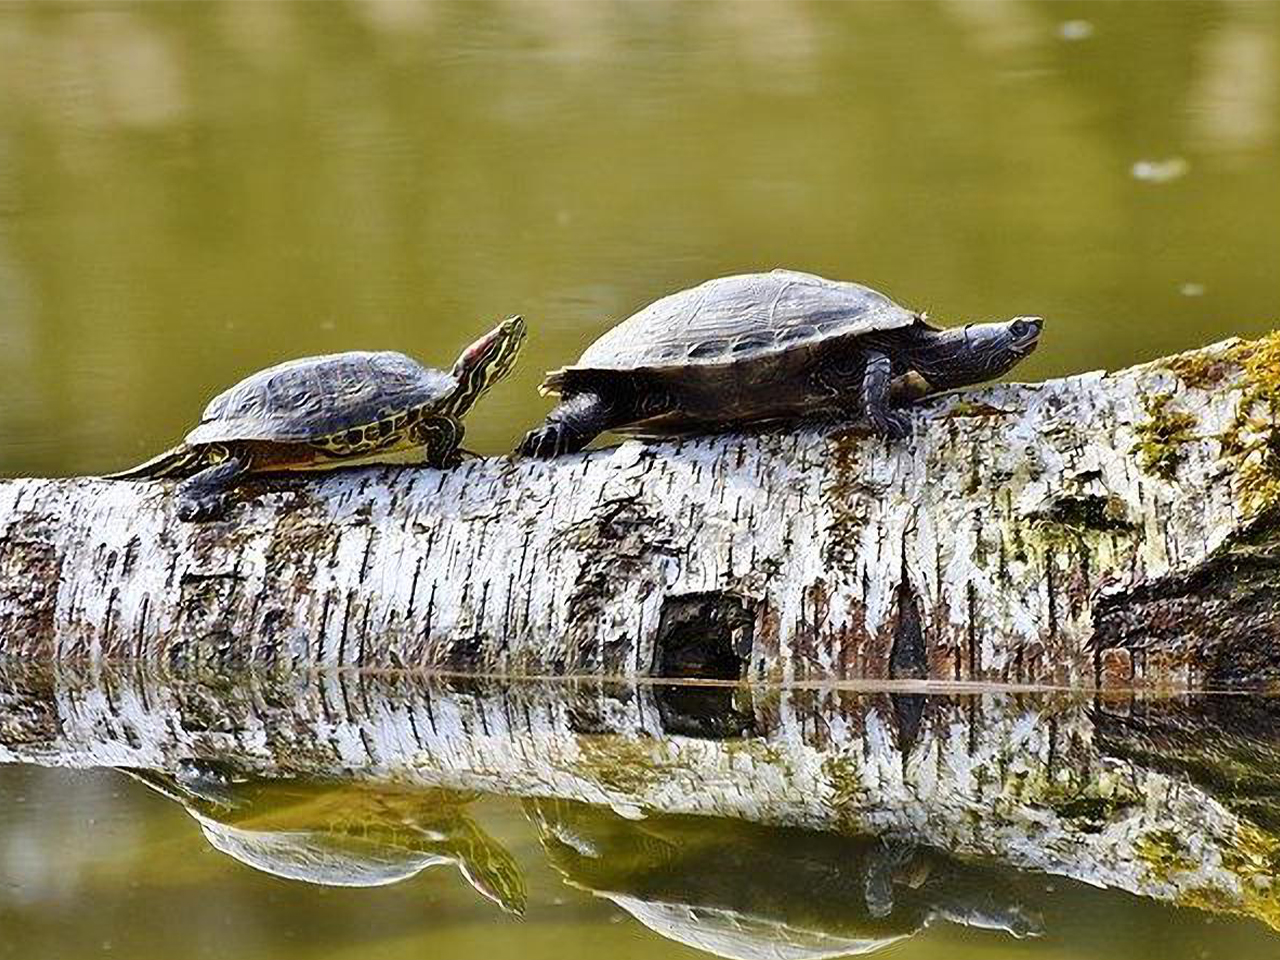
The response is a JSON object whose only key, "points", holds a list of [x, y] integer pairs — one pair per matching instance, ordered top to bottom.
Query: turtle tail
{"points": [[182, 460]]}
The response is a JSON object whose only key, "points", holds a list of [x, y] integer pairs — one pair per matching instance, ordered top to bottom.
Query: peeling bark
{"points": [[1114, 529], [1122, 792]]}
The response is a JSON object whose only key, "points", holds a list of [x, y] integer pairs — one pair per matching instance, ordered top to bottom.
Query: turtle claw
{"points": [[891, 424], [544, 443], [203, 497], [200, 509]]}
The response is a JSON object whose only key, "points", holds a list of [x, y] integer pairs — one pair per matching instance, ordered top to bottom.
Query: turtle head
{"points": [[978, 351], [487, 361]]}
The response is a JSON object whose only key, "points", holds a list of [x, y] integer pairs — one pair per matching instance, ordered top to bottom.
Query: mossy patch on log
{"points": [[1162, 436], [1253, 440], [1087, 512], [619, 763], [848, 789], [1165, 854], [1254, 859]]}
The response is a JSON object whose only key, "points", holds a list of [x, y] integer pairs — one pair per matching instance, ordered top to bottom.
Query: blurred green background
{"points": [[191, 191]]}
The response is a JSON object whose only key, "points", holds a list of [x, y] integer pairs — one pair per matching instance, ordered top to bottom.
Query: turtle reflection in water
{"points": [[320, 412], [342, 834], [746, 891]]}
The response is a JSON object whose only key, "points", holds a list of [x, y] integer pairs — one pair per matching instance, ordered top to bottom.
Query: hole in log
{"points": [[1105, 514], [704, 636], [907, 658], [908, 709]]}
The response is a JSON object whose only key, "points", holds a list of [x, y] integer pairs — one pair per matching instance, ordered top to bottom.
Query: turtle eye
{"points": [[1020, 328]]}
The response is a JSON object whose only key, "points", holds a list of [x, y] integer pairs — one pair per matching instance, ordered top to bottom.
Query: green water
{"points": [[189, 192], [397, 816]]}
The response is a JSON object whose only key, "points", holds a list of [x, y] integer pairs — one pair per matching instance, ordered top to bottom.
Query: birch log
{"points": [[1112, 529], [1125, 793]]}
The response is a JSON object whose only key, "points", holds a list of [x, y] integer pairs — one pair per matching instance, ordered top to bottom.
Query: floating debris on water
{"points": [[1075, 30], [1160, 171], [1192, 289]]}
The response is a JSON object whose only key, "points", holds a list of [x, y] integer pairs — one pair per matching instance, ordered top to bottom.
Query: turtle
{"points": [[758, 347], [314, 413], [341, 834], [743, 890]]}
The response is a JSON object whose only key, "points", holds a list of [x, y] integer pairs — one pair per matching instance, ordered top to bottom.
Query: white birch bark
{"points": [[1103, 528]]}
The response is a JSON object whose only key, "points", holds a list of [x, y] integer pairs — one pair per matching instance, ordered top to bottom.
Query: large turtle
{"points": [[765, 346], [319, 412], [744, 891]]}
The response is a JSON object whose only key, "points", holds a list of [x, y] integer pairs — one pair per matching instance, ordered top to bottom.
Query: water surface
{"points": [[391, 815]]}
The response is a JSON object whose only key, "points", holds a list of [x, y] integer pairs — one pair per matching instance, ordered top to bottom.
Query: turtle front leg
{"points": [[889, 423], [571, 426], [441, 440], [203, 496], [886, 865]]}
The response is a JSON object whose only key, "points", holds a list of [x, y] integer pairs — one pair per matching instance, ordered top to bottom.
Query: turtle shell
{"points": [[743, 318], [314, 397]]}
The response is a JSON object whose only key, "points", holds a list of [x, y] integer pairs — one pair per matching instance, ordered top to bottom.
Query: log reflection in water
{"points": [[1060, 785]]}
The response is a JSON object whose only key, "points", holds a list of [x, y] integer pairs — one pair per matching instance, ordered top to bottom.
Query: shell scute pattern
{"points": [[731, 319], [798, 333], [708, 348], [349, 399]]}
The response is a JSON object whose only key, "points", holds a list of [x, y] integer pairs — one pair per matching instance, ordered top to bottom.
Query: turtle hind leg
{"points": [[572, 425], [203, 496]]}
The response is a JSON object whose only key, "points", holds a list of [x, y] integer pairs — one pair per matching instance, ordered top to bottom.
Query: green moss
{"points": [[1201, 369], [970, 408], [1161, 437], [1253, 440], [1251, 444], [1103, 514], [1078, 523], [761, 751], [619, 763], [847, 789], [1088, 800], [1092, 807], [1255, 853], [1165, 854], [1254, 859], [1210, 900]]}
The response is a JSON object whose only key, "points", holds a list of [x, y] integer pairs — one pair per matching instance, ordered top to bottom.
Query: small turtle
{"points": [[766, 346], [319, 412], [342, 834]]}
